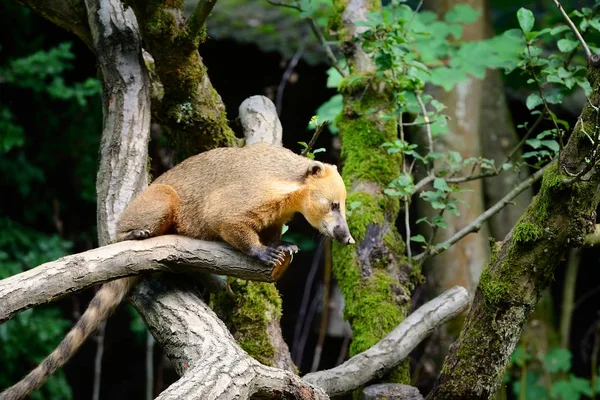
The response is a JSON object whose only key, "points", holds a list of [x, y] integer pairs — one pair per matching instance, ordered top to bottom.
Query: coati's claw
{"points": [[286, 247], [271, 256]]}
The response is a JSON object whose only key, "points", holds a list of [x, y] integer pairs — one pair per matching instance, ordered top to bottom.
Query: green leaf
{"points": [[462, 14], [526, 19], [559, 29], [566, 45], [533, 100], [440, 184], [418, 239], [558, 360], [571, 389]]}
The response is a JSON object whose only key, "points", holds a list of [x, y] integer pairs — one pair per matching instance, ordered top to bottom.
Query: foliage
{"points": [[48, 153], [38, 330], [546, 376]]}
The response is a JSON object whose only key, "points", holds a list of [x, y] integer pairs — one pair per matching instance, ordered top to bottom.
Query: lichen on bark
{"points": [[558, 218]]}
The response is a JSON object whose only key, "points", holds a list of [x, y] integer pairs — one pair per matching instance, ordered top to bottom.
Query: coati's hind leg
{"points": [[152, 213], [243, 237]]}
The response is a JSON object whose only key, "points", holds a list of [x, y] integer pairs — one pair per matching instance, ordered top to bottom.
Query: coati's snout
{"points": [[325, 206], [341, 233]]}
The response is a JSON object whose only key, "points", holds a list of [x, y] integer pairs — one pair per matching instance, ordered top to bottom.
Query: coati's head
{"points": [[324, 205]]}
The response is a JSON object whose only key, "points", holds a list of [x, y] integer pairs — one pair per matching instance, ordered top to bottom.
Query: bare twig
{"points": [[283, 4], [200, 15], [318, 34], [586, 49], [330, 56], [286, 75], [426, 119], [314, 138], [476, 224], [169, 253], [568, 300], [325, 313], [99, 338], [392, 349], [149, 365]]}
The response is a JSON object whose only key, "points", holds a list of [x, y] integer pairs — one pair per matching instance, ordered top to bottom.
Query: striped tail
{"points": [[106, 300]]}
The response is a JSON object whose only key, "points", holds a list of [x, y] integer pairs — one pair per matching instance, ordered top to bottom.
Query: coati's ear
{"points": [[316, 168]]}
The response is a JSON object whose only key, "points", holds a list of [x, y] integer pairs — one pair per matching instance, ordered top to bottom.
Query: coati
{"points": [[242, 196]]}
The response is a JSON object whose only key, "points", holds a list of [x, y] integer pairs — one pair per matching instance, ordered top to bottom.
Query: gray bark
{"points": [[122, 169], [169, 253], [395, 347], [203, 352], [391, 391]]}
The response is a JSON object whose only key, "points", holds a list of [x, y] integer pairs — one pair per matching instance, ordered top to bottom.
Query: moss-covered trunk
{"points": [[190, 110], [373, 275], [509, 288]]}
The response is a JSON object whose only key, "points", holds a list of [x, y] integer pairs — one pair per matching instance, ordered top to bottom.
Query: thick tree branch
{"points": [[70, 15], [126, 109], [76, 272], [395, 347], [203, 351]]}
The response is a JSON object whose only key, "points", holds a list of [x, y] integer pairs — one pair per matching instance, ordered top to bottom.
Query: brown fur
{"points": [[242, 196]]}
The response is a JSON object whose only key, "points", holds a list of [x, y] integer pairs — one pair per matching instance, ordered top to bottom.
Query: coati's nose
{"points": [[342, 235]]}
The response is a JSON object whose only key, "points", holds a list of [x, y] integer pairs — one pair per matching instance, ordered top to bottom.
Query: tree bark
{"points": [[126, 109], [190, 110], [559, 218], [170, 253], [462, 263], [374, 276], [394, 348]]}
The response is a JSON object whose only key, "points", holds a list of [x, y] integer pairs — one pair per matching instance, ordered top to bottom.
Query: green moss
{"points": [[364, 158], [527, 232], [393, 241], [495, 291], [254, 306]]}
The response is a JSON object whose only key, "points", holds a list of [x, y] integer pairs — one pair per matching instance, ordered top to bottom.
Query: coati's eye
{"points": [[335, 206]]}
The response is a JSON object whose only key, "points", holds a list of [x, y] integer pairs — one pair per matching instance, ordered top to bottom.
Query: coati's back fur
{"points": [[242, 196]]}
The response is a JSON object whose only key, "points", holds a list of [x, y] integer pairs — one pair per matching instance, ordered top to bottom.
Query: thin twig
{"points": [[282, 4], [200, 15], [412, 17], [319, 35], [586, 49], [574, 51], [330, 56], [286, 75], [427, 128], [314, 138], [476, 224], [308, 284], [568, 300], [325, 312], [98, 360], [149, 365]]}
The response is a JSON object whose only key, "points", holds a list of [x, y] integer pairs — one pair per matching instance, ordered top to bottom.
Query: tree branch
{"points": [[198, 18], [586, 49], [476, 224], [169, 253], [395, 347], [203, 352]]}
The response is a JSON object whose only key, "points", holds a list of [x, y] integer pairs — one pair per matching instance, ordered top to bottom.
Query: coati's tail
{"points": [[105, 301]]}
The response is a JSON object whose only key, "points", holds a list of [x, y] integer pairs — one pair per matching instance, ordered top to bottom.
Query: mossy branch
{"points": [[475, 226]]}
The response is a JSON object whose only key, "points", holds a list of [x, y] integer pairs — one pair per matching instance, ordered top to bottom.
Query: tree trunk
{"points": [[558, 218], [373, 275]]}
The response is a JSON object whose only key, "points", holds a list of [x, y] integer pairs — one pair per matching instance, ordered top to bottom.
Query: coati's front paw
{"points": [[136, 234], [271, 256]]}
